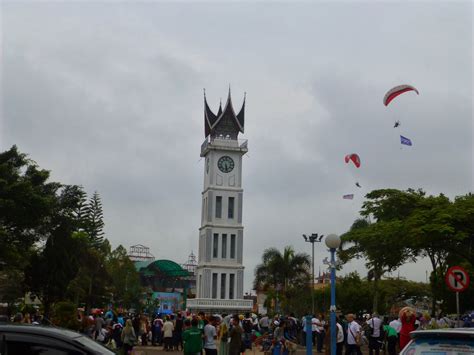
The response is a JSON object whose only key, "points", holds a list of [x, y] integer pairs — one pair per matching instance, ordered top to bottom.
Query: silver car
{"points": [[450, 341]]}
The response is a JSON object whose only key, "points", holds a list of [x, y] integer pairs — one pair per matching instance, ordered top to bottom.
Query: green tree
{"points": [[27, 200], [95, 220], [409, 225], [430, 229], [462, 242], [382, 247], [57, 262], [280, 272], [125, 279], [92, 284], [354, 295], [65, 315]]}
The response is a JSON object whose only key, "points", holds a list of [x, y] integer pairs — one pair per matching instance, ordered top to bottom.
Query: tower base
{"points": [[210, 305]]}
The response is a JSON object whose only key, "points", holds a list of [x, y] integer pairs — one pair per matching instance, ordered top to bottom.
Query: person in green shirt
{"points": [[392, 338], [192, 339]]}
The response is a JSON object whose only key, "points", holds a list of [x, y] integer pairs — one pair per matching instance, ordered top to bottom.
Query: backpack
{"points": [[247, 325], [370, 329]]}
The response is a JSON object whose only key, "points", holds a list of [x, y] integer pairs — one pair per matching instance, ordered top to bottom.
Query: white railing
{"points": [[205, 303]]}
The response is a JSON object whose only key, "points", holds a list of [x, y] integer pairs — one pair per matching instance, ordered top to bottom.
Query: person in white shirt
{"points": [[264, 324], [315, 324], [375, 324], [396, 324], [353, 331], [168, 334], [210, 336], [339, 338]]}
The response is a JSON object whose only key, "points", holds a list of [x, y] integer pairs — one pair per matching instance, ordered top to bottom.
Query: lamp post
{"points": [[313, 238], [332, 242]]}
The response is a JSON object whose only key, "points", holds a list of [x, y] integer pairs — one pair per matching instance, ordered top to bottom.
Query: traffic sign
{"points": [[457, 279]]}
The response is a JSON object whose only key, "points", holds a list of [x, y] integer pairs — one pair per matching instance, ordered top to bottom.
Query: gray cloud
{"points": [[109, 96]]}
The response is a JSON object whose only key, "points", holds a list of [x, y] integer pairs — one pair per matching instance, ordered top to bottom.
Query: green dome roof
{"points": [[167, 267]]}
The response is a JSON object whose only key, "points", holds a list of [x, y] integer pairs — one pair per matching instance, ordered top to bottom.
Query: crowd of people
{"points": [[193, 333], [234, 334], [390, 334]]}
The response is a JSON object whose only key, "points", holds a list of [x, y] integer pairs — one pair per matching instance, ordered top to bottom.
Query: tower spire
{"points": [[219, 112], [226, 123]]}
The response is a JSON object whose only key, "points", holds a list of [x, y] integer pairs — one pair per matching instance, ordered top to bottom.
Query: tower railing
{"points": [[194, 303]]}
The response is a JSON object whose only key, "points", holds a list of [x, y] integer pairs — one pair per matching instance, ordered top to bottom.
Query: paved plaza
{"points": [[151, 350]]}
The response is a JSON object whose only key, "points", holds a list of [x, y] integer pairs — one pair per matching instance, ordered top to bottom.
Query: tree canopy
{"points": [[401, 226], [52, 242], [281, 273]]}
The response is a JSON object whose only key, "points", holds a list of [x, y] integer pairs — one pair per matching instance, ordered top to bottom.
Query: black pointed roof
{"points": [[226, 122]]}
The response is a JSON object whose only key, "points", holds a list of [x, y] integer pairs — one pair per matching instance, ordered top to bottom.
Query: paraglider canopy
{"points": [[396, 91], [354, 158]]}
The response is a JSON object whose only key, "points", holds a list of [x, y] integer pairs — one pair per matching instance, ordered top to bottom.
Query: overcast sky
{"points": [[108, 95]]}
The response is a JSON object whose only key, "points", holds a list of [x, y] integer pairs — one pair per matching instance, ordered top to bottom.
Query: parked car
{"points": [[33, 339], [449, 341]]}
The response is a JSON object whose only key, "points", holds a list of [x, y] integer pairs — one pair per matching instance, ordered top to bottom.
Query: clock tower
{"points": [[220, 271]]}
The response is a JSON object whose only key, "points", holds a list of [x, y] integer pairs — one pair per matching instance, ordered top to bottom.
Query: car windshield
{"points": [[92, 345], [439, 346]]}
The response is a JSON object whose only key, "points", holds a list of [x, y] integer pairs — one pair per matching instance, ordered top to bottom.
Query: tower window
{"points": [[218, 206], [230, 209], [215, 245], [224, 246], [232, 246], [223, 277], [214, 285], [231, 286]]}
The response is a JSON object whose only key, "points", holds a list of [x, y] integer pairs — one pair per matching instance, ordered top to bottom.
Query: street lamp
{"points": [[313, 238], [332, 242]]}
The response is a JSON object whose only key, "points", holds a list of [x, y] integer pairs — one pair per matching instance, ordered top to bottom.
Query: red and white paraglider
{"points": [[396, 91], [353, 158]]}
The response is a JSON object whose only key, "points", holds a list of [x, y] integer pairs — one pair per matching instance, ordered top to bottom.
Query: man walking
{"points": [[375, 326], [168, 334], [353, 334], [210, 336], [192, 339], [392, 339]]}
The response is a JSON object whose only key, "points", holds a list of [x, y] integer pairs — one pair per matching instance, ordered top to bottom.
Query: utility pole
{"points": [[313, 238], [333, 242]]}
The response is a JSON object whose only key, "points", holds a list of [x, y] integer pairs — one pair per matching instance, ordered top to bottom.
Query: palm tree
{"points": [[282, 271]]}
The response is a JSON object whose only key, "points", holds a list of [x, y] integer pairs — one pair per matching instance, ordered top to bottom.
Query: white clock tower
{"points": [[220, 273]]}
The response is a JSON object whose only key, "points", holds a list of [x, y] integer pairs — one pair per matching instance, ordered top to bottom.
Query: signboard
{"points": [[457, 279], [169, 302]]}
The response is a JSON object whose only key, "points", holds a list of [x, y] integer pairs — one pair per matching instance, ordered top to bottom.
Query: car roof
{"points": [[40, 330], [444, 332]]}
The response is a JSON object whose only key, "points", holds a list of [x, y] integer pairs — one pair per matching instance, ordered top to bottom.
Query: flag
{"points": [[405, 140], [348, 197]]}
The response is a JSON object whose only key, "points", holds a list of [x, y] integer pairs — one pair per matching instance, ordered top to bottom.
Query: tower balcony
{"points": [[224, 143]]}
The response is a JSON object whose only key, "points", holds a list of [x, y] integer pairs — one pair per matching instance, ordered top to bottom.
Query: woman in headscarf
{"points": [[224, 336], [129, 337]]}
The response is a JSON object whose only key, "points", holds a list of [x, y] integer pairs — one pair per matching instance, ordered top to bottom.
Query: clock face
{"points": [[225, 164]]}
